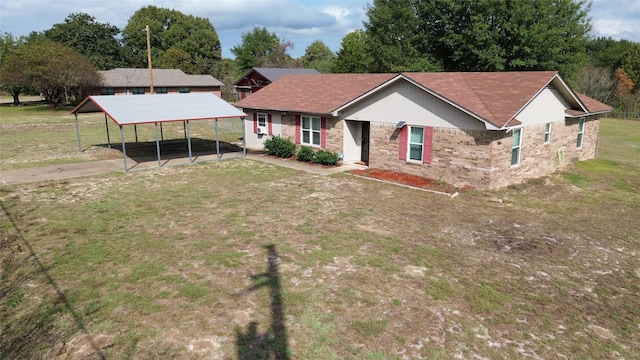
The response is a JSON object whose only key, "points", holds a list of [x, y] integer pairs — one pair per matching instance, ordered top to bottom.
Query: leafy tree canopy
{"points": [[172, 29], [479, 35], [97, 41], [260, 48], [318, 56], [352, 57], [54, 70]]}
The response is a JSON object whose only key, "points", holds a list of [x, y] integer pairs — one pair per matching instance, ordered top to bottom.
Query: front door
{"points": [[364, 153]]}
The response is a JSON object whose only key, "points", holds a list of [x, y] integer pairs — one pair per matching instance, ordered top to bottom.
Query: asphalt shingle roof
{"points": [[139, 77], [495, 97]]}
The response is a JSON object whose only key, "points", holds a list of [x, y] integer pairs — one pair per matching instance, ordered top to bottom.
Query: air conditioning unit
{"points": [[262, 130]]}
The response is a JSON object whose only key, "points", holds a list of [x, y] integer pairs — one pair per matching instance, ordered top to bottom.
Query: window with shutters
{"points": [[262, 120], [310, 127], [416, 143]]}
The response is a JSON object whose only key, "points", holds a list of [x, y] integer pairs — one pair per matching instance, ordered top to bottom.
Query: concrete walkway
{"points": [[65, 171]]}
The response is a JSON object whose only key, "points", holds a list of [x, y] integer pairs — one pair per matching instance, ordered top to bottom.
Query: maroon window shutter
{"points": [[255, 122], [269, 126], [298, 129], [323, 132], [428, 145], [402, 152]]}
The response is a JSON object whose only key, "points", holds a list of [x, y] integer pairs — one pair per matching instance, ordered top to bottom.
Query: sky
{"points": [[298, 21]]}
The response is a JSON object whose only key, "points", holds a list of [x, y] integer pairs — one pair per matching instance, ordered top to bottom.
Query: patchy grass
{"points": [[242, 259], [265, 261]]}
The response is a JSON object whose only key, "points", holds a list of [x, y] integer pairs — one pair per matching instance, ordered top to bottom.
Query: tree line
{"points": [[398, 36]]}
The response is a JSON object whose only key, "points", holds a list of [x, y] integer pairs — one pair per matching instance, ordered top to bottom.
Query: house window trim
{"points": [[161, 90], [184, 90], [137, 91], [262, 120], [311, 131], [547, 133], [580, 139], [409, 143], [518, 147]]}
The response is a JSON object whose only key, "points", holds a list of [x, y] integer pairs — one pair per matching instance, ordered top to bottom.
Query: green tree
{"points": [[171, 29], [479, 35], [97, 41], [260, 48], [607, 52], [318, 56], [352, 57], [176, 59], [630, 63], [54, 70]]}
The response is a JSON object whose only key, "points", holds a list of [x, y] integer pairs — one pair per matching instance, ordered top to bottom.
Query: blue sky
{"points": [[298, 21]]}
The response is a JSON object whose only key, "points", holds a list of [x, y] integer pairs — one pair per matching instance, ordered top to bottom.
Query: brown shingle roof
{"points": [[313, 94], [495, 97], [593, 105]]}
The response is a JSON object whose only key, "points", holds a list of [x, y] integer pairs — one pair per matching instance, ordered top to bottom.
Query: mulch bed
{"points": [[407, 179]]}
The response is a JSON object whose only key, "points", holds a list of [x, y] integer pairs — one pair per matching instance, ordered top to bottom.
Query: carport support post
{"points": [[106, 125], [187, 129], [135, 130], [78, 133], [244, 138], [217, 142], [158, 147], [124, 149]]}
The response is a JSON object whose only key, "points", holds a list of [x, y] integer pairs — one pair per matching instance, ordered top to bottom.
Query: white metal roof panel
{"points": [[144, 109]]}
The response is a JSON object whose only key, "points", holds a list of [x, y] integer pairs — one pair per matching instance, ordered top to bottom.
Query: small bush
{"points": [[279, 146], [305, 154], [325, 157]]}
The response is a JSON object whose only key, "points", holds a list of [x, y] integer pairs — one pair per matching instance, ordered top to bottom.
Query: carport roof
{"points": [[148, 109]]}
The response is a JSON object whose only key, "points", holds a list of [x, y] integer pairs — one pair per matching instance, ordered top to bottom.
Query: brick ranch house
{"points": [[135, 81], [486, 130]]}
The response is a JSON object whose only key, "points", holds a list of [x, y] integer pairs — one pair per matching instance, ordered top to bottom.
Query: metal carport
{"points": [[158, 109]]}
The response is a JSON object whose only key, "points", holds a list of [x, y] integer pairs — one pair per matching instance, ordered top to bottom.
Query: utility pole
{"points": [[149, 60]]}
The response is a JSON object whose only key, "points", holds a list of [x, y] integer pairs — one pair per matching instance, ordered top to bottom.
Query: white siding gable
{"points": [[403, 101], [548, 106]]}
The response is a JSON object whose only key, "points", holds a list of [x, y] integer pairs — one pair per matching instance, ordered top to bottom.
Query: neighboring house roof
{"points": [[273, 74], [139, 77], [493, 97], [142, 109]]}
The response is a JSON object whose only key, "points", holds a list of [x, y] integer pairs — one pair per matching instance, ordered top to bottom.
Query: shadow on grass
{"points": [[146, 151], [36, 329], [272, 344]]}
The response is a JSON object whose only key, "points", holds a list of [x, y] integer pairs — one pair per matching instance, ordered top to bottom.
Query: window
{"points": [[161, 90], [184, 90], [107, 91], [137, 91], [262, 120], [310, 130], [547, 133], [580, 133], [416, 143], [515, 147]]}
